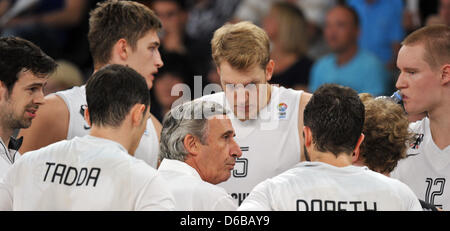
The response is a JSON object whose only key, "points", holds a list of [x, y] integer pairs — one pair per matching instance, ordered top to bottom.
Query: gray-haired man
{"points": [[198, 151]]}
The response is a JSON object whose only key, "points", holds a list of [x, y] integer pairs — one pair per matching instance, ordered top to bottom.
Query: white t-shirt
{"points": [[75, 99], [270, 144], [7, 158], [426, 168], [85, 173], [316, 186], [191, 193]]}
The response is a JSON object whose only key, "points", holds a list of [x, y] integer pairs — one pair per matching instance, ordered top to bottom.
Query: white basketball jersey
{"points": [[75, 100], [270, 144], [426, 168], [85, 173], [317, 186]]}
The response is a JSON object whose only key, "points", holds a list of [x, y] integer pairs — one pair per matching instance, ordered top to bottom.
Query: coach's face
{"points": [[145, 58], [419, 83], [246, 90], [21, 105], [216, 158]]}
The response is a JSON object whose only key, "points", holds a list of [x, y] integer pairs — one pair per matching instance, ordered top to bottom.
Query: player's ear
{"points": [[120, 51], [269, 69], [445, 76], [3, 91], [137, 114], [87, 118], [307, 136], [191, 144], [356, 151]]}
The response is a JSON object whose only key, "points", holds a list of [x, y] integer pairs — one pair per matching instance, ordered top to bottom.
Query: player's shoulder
{"points": [[74, 91], [54, 106], [57, 149], [138, 167], [297, 172], [390, 182]]}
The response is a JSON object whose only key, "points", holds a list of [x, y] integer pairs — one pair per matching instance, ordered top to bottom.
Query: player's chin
{"points": [[412, 109], [25, 123]]}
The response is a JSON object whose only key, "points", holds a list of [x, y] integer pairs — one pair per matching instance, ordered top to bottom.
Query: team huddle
{"points": [[254, 146]]}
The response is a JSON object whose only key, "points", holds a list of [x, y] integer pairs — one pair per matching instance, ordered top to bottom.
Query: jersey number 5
{"points": [[242, 163]]}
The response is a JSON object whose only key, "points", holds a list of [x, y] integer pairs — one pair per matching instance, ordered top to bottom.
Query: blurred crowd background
{"points": [[349, 42]]}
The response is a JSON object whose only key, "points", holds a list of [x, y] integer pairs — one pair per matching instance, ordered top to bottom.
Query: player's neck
{"points": [[440, 126], [5, 134], [114, 134], [342, 160]]}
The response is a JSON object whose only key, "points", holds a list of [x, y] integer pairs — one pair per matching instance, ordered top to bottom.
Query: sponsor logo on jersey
{"points": [[282, 108], [82, 109], [416, 144]]}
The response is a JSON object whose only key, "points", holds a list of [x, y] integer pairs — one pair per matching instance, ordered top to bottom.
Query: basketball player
{"points": [[121, 32], [24, 71], [424, 82], [267, 119], [334, 119], [385, 134], [198, 152], [94, 172]]}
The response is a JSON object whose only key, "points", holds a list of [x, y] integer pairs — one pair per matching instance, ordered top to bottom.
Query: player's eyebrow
{"points": [[156, 44], [410, 69], [35, 85]]}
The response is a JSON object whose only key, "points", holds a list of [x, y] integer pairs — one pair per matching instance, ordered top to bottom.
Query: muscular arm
{"points": [[303, 101], [49, 126]]}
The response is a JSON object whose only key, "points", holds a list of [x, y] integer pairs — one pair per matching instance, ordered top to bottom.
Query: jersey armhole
{"points": [[66, 102]]}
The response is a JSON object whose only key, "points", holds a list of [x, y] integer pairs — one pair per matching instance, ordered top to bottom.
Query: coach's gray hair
{"points": [[188, 118]]}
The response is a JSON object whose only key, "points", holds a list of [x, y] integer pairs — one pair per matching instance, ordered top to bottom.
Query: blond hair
{"points": [[291, 27], [436, 41], [242, 45]]}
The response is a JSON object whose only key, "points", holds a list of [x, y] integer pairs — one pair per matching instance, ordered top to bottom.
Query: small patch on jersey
{"points": [[82, 109], [282, 111], [419, 140]]}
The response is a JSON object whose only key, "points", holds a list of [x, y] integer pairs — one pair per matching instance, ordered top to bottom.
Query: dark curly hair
{"points": [[386, 134]]}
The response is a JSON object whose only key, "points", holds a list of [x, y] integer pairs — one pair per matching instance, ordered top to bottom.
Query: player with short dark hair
{"points": [[120, 32], [24, 71], [334, 119], [94, 172]]}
